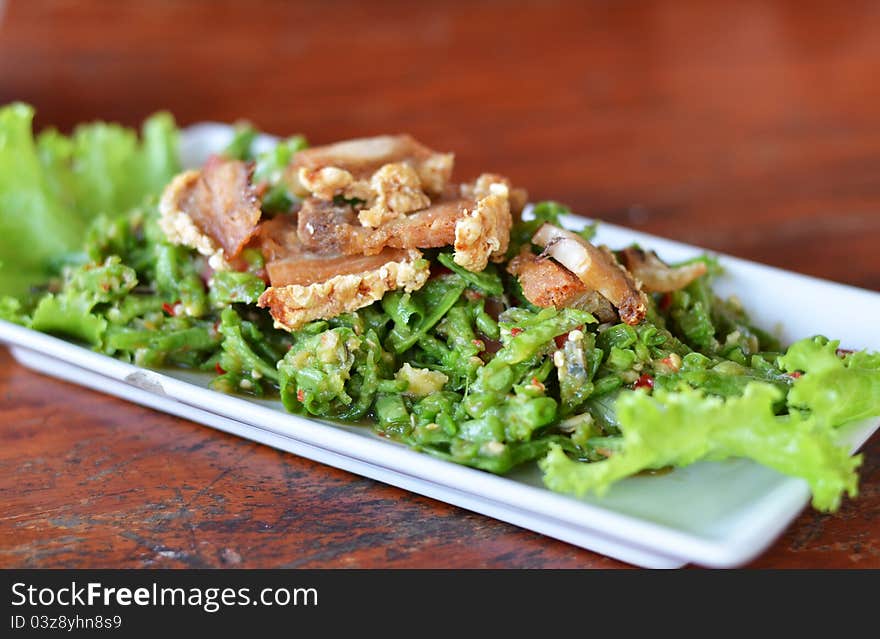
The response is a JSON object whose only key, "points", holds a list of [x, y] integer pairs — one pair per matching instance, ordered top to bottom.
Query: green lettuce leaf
{"points": [[52, 187], [34, 225], [11, 311], [835, 388], [679, 428]]}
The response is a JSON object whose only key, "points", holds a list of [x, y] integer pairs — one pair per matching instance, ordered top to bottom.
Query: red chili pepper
{"points": [[169, 308], [516, 330], [219, 369], [795, 374], [645, 381], [300, 395]]}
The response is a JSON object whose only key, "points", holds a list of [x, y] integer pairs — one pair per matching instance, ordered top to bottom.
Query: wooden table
{"points": [[749, 128]]}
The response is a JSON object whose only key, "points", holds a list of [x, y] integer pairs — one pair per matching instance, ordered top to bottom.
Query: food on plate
{"points": [[214, 210], [597, 268], [362, 281], [546, 283], [353, 287]]}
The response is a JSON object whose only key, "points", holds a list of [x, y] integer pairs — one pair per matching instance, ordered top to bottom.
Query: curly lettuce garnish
{"points": [[51, 187], [837, 386], [682, 426]]}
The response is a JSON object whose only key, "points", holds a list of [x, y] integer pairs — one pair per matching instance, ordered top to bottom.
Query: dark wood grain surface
{"points": [[751, 128]]}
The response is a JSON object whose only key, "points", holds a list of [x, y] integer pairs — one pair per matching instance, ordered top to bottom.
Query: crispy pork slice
{"points": [[352, 164], [330, 182], [481, 187], [397, 190], [215, 210], [323, 226], [326, 226], [179, 227], [432, 227], [323, 229], [479, 229], [483, 232], [277, 237], [289, 261], [309, 268], [597, 268], [655, 275], [547, 283], [306, 284], [293, 305]]}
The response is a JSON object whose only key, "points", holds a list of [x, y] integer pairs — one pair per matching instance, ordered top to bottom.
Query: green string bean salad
{"points": [[358, 282]]}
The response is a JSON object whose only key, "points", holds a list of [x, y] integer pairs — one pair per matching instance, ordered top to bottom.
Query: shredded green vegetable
{"points": [[464, 368]]}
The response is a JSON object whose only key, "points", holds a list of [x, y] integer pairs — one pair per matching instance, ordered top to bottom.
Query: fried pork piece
{"points": [[346, 168], [329, 182], [480, 188], [397, 191], [215, 210], [178, 226], [325, 227], [432, 227], [478, 229], [331, 233], [483, 233], [308, 268], [597, 268], [655, 275], [547, 283], [308, 285], [293, 305]]}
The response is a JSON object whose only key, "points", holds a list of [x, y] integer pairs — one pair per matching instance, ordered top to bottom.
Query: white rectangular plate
{"points": [[715, 514]]}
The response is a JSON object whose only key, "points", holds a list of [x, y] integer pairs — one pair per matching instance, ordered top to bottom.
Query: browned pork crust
{"points": [[356, 161], [224, 204], [597, 268], [546, 283]]}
